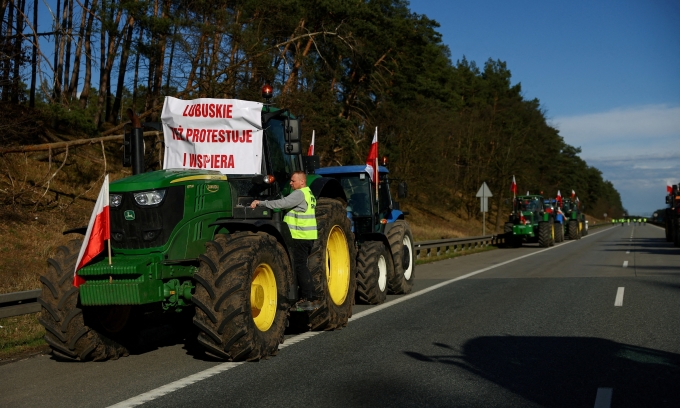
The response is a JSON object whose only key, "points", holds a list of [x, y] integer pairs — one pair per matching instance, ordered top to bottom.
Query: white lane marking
{"points": [[627, 252], [625, 264], [619, 297], [176, 385], [603, 399]]}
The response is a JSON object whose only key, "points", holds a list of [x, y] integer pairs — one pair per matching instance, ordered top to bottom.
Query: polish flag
{"points": [[310, 152], [372, 160], [513, 186], [669, 188], [573, 194], [559, 197], [98, 231]]}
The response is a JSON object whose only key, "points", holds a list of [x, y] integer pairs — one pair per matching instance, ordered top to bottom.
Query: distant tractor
{"points": [[672, 216], [530, 222], [576, 226], [386, 258]]}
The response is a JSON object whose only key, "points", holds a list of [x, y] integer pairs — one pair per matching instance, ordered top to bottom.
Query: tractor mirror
{"points": [[293, 130], [293, 148], [402, 190], [668, 199]]}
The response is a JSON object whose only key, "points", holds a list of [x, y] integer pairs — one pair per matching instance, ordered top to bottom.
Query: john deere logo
{"points": [[212, 188], [129, 215]]}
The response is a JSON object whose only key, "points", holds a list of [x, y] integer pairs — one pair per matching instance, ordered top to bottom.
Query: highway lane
{"points": [[539, 331]]}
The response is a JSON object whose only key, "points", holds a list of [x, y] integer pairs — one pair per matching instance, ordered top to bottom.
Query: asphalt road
{"points": [[588, 323]]}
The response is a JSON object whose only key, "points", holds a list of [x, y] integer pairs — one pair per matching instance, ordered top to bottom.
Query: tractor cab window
{"points": [[283, 165], [358, 192], [385, 201], [529, 205]]}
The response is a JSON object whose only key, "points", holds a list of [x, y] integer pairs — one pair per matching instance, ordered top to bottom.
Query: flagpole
{"points": [[376, 179], [109, 251]]}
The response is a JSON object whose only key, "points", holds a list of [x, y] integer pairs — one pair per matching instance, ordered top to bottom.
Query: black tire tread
{"points": [[368, 272], [397, 283]]}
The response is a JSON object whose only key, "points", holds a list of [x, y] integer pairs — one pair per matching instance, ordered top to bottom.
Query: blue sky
{"points": [[607, 74]]}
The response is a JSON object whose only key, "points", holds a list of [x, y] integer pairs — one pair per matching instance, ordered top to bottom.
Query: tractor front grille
{"points": [[151, 226]]}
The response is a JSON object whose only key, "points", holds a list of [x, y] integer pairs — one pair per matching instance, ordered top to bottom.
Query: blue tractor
{"points": [[386, 258]]}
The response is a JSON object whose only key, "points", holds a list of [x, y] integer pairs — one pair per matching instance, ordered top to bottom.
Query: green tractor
{"points": [[672, 216], [530, 222], [575, 225], [185, 244], [386, 258]]}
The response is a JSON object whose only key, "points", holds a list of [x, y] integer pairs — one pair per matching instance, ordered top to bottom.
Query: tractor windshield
{"points": [[357, 189], [529, 204]]}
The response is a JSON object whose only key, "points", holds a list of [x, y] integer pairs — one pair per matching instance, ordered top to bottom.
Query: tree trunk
{"points": [[69, 40], [17, 52], [34, 56], [106, 66], [122, 67], [73, 83], [84, 95]]}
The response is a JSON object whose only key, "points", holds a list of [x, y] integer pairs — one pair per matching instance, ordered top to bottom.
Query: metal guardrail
{"points": [[447, 246], [26, 302], [19, 303]]}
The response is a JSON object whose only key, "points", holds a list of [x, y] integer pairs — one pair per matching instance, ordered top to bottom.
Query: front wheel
{"points": [[573, 229], [559, 232], [403, 256], [332, 264], [374, 266], [241, 288], [74, 332]]}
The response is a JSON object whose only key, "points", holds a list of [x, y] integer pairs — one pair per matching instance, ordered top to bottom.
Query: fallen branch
{"points": [[57, 145]]}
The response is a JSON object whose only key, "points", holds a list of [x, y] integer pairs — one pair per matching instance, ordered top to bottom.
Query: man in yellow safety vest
{"points": [[301, 220]]}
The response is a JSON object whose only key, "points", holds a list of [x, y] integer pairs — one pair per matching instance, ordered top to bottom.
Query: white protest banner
{"points": [[213, 134]]}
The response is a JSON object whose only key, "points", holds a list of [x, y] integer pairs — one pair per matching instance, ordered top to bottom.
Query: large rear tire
{"points": [[573, 229], [545, 231], [559, 232], [403, 256], [333, 266], [374, 266], [241, 288], [64, 318]]}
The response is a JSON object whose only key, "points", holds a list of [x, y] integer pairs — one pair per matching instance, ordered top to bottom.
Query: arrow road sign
{"points": [[484, 191]]}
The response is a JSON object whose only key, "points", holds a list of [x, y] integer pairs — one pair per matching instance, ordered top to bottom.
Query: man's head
{"points": [[298, 180]]}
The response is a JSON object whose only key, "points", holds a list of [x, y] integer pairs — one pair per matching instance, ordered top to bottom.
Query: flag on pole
{"points": [[310, 152], [372, 160], [513, 186], [669, 188], [527, 192], [573, 194], [559, 197], [98, 231]]}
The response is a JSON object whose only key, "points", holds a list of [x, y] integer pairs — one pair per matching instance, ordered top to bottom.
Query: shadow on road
{"points": [[567, 371]]}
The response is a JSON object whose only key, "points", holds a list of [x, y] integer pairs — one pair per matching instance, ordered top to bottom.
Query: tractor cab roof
{"points": [[353, 169]]}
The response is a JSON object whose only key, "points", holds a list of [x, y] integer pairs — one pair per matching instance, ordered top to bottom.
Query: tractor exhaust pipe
{"points": [[133, 150]]}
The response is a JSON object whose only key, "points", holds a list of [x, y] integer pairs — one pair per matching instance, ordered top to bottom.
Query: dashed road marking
{"points": [[625, 264], [619, 297]]}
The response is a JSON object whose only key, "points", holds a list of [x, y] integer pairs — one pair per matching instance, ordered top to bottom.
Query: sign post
{"points": [[484, 193]]}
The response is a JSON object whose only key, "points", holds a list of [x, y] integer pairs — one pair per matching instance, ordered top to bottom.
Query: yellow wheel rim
{"points": [[552, 232], [337, 265], [263, 297]]}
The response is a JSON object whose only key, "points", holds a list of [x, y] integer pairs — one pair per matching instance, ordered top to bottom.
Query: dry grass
{"points": [[20, 336]]}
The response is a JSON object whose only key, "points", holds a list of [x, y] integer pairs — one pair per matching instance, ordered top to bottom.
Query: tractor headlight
{"points": [[149, 197], [115, 200]]}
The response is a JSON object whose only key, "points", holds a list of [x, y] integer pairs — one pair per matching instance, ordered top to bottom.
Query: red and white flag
{"points": [[310, 152], [372, 160], [513, 186], [669, 188], [573, 194], [559, 197], [98, 231]]}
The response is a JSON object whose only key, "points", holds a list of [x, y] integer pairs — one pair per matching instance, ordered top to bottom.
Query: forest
{"points": [[68, 70]]}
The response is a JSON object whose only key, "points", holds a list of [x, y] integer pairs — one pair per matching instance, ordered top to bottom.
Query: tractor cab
{"points": [[369, 212]]}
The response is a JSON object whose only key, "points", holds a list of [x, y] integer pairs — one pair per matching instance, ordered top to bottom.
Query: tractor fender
{"points": [[328, 187], [392, 216], [377, 237]]}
